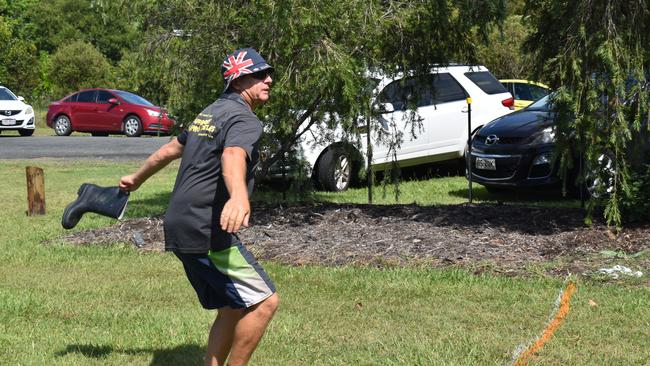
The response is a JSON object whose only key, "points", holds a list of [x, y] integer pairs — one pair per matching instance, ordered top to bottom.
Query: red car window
{"points": [[103, 96], [86, 97], [71, 99]]}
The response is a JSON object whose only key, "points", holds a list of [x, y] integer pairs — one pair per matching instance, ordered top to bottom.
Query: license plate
{"points": [[8, 122], [486, 164]]}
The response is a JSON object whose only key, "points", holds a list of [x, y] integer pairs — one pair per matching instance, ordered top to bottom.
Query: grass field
{"points": [[66, 305]]}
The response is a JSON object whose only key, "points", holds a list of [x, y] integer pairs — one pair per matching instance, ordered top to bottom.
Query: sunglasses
{"points": [[262, 75]]}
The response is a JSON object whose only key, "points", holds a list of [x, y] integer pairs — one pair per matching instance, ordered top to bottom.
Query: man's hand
{"points": [[158, 160], [128, 183], [235, 214]]}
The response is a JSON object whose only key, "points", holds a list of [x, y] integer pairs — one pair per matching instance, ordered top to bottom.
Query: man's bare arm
{"points": [[158, 160], [237, 209]]}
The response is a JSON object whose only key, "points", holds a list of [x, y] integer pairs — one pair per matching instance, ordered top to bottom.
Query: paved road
{"points": [[79, 147]]}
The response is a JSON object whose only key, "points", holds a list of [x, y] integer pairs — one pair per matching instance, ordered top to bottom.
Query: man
{"points": [[210, 203]]}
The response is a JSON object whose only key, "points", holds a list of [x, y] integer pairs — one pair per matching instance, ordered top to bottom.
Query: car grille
{"points": [[8, 113], [501, 141], [506, 168]]}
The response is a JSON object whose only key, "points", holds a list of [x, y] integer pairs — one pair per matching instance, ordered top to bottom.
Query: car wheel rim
{"points": [[61, 126], [131, 126], [342, 173], [595, 184]]}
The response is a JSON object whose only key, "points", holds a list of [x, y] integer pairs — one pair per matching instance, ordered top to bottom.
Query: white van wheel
{"points": [[337, 169]]}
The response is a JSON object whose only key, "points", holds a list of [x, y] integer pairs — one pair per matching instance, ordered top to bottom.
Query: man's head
{"points": [[247, 73]]}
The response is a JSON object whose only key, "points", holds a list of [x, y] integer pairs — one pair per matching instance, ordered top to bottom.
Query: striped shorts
{"points": [[228, 277]]}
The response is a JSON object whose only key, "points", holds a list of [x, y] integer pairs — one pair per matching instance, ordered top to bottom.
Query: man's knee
{"points": [[269, 306], [230, 313]]}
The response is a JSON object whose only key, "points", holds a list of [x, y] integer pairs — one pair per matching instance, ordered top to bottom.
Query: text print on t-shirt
{"points": [[202, 126]]}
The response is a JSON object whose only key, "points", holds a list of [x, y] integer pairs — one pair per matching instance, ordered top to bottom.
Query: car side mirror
{"points": [[21, 99], [114, 101], [384, 108]]}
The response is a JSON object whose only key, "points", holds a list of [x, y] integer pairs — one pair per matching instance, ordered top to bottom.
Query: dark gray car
{"points": [[516, 151]]}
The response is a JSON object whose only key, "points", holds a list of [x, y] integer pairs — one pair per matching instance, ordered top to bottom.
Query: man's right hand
{"points": [[156, 161], [129, 183], [235, 214]]}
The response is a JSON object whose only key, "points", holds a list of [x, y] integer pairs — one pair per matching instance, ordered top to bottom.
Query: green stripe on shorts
{"points": [[231, 263], [249, 282]]}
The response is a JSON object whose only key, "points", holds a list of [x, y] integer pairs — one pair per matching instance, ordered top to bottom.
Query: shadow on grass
{"points": [[542, 197], [147, 205], [187, 354]]}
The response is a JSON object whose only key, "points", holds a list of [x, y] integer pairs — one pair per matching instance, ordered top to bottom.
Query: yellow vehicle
{"points": [[524, 91]]}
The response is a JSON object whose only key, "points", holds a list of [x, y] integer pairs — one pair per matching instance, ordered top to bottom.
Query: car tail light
{"points": [[510, 103]]}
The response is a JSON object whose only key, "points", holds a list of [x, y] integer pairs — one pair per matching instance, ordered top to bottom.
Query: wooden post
{"points": [[35, 191]]}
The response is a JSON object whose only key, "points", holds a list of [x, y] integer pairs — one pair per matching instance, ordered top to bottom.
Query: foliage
{"points": [[516, 7], [53, 24], [38, 28], [5, 36], [320, 51], [590, 51], [503, 55], [79, 65], [17, 70], [143, 75], [636, 203]]}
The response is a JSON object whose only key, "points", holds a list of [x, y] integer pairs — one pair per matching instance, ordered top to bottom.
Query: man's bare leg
{"points": [[249, 330], [221, 336]]}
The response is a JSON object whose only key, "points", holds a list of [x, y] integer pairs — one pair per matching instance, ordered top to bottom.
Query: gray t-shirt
{"points": [[192, 218]]}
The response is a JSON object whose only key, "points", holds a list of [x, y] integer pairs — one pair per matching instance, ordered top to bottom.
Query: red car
{"points": [[104, 111]]}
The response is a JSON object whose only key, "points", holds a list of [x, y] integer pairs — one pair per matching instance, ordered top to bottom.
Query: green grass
{"points": [[445, 191], [67, 305]]}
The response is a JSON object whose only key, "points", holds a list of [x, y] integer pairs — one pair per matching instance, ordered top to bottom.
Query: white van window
{"points": [[486, 81], [447, 89], [422, 91]]}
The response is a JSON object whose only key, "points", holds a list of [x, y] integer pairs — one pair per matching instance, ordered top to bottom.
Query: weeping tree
{"points": [[320, 51], [503, 54], [595, 54]]}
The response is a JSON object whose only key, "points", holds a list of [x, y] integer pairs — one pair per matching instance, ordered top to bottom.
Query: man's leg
{"points": [[249, 330], [221, 336]]}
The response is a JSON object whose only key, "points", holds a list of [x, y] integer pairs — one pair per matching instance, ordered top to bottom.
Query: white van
{"points": [[441, 134]]}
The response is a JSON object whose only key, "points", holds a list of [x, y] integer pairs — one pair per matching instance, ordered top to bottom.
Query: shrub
{"points": [[78, 65]]}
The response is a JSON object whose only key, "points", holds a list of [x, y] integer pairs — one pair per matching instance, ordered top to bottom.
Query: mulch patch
{"points": [[504, 238]]}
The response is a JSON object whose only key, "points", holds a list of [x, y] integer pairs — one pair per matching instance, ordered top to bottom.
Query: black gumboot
{"points": [[106, 201]]}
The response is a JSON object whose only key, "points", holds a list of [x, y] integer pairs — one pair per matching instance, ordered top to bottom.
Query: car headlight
{"points": [[29, 110], [153, 113], [545, 136]]}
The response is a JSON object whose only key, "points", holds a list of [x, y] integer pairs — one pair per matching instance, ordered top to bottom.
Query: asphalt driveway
{"points": [[79, 147]]}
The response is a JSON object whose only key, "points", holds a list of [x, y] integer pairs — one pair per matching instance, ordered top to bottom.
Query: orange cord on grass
{"points": [[551, 328]]}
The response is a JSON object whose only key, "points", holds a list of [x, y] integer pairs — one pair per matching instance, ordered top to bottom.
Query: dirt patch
{"points": [[503, 238]]}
